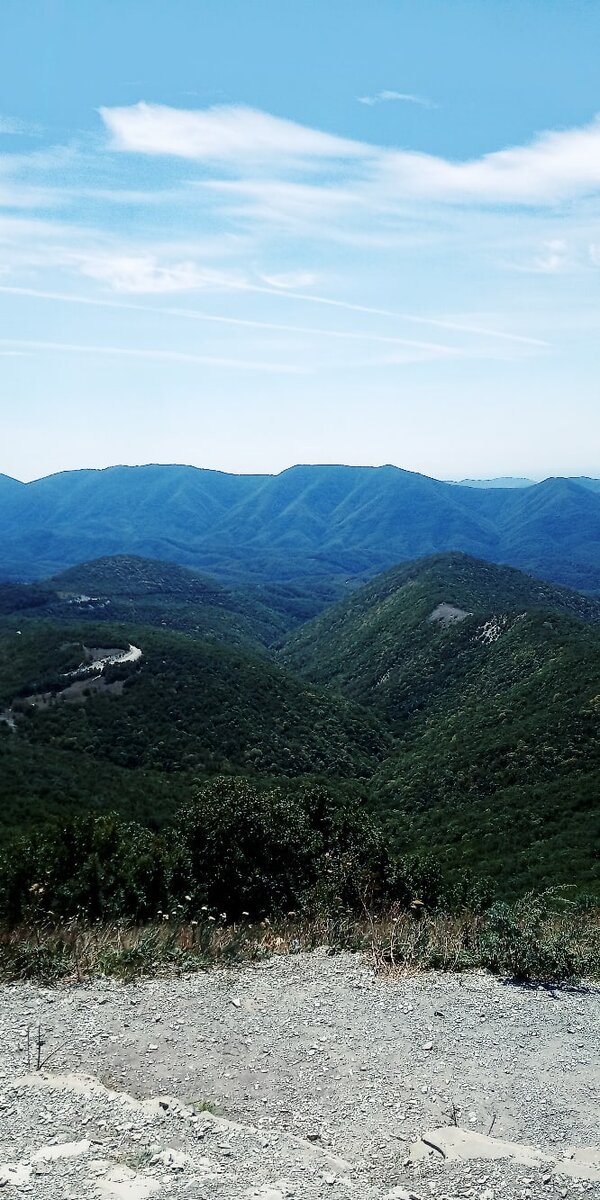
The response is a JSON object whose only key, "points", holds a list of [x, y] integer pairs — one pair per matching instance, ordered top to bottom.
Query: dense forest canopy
{"points": [[456, 702]]}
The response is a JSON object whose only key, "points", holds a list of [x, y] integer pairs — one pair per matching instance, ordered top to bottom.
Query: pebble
{"points": [[327, 1073]]}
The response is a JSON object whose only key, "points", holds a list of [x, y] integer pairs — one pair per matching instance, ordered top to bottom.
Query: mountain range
{"points": [[519, 481], [328, 523]]}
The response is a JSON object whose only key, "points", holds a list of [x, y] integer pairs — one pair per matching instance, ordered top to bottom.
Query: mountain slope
{"points": [[157, 511], [316, 521], [553, 528], [144, 591], [410, 633], [491, 681], [187, 707], [503, 776]]}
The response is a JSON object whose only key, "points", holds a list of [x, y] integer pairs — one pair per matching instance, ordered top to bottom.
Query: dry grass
{"points": [[528, 943]]}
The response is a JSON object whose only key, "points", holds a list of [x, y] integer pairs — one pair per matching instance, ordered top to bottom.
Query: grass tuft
{"points": [[540, 939]]}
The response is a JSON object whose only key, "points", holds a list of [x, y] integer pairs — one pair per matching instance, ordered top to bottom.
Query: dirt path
{"points": [[330, 1076]]}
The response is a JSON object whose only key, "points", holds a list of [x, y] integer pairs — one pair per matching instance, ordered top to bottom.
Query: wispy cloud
{"points": [[386, 96], [15, 126], [222, 134], [555, 165], [282, 231], [553, 258], [145, 275], [286, 280], [193, 314], [447, 324]]}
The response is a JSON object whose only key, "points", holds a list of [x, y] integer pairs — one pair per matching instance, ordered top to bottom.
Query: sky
{"points": [[244, 234]]}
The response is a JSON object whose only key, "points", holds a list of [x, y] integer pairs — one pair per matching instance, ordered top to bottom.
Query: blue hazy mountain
{"points": [[503, 481], [308, 521]]}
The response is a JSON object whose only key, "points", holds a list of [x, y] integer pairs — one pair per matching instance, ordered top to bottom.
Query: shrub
{"points": [[234, 848], [245, 850], [517, 942]]}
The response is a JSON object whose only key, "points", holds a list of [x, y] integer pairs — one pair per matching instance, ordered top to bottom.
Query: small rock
{"points": [[176, 1160]]}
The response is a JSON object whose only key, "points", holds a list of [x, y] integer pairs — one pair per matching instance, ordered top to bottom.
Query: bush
{"points": [[234, 848], [243, 850], [102, 867], [518, 942]]}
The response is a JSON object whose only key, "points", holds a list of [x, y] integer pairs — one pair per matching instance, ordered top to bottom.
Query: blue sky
{"points": [[248, 233]]}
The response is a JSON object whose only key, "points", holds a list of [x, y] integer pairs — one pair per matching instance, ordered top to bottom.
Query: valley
{"points": [[453, 702]]}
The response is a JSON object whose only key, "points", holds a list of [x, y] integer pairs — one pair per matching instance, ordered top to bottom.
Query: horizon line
{"points": [[466, 481]]}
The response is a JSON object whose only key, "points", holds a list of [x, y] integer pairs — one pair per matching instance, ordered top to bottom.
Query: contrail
{"points": [[196, 314], [437, 323], [209, 360]]}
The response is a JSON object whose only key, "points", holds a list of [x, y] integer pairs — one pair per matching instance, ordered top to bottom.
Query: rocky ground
{"points": [[300, 1077]]}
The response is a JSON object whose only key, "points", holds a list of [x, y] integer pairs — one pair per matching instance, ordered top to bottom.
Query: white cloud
{"points": [[386, 96], [13, 125], [221, 134], [555, 165], [553, 258], [144, 274]]}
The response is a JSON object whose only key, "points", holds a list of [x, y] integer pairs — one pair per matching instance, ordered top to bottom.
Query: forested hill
{"points": [[309, 521], [144, 591], [412, 631], [491, 683], [460, 699], [185, 708]]}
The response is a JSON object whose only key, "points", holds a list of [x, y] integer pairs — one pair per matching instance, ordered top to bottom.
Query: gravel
{"points": [[321, 1080]]}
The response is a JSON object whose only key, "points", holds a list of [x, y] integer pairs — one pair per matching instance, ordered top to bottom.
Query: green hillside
{"points": [[144, 591], [147, 592], [388, 645], [491, 681], [460, 698], [188, 706], [501, 770]]}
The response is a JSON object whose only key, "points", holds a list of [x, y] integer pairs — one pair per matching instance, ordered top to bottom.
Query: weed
{"points": [[540, 939], [204, 1106]]}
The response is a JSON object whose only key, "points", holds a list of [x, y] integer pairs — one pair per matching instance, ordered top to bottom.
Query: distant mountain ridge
{"points": [[503, 481], [517, 481], [317, 521]]}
